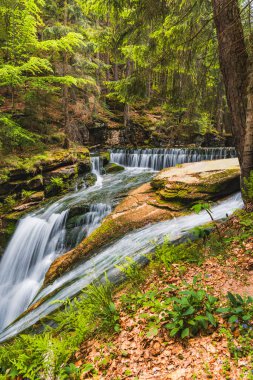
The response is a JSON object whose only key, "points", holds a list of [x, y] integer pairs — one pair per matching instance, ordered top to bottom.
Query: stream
{"points": [[47, 233]]}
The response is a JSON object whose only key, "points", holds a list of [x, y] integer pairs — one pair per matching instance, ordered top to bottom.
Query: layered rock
{"points": [[24, 185], [172, 193]]}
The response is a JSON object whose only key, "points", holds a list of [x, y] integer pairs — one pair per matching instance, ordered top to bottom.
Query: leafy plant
{"points": [[55, 186], [26, 194], [8, 204], [206, 206], [98, 298], [239, 309], [192, 311]]}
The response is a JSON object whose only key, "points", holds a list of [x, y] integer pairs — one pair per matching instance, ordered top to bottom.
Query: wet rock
{"points": [[113, 168], [140, 207]]}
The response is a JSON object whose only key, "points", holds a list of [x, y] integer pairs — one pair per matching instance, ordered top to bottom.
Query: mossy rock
{"points": [[105, 157], [113, 168], [90, 179]]}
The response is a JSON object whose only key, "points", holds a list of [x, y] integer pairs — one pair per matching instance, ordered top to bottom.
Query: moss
{"points": [[105, 157], [113, 168], [90, 179], [158, 184]]}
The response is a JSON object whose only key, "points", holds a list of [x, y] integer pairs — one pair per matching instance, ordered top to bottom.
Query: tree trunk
{"points": [[238, 82], [65, 87], [127, 106]]}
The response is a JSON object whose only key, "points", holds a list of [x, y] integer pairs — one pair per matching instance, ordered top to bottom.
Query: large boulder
{"points": [[170, 194]]}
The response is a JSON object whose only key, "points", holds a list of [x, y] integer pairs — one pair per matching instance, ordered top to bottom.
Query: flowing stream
{"points": [[42, 236]]}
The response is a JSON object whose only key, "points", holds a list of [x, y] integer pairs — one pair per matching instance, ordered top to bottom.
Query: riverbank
{"points": [[125, 333]]}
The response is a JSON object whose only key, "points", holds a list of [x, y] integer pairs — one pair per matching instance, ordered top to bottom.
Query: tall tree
{"points": [[234, 62]]}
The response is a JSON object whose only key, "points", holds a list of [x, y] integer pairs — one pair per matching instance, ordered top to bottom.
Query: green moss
{"points": [[105, 157], [113, 168]]}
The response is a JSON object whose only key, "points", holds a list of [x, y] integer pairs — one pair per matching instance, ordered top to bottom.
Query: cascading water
{"points": [[158, 159], [97, 169], [88, 222], [42, 236], [38, 240], [35, 244], [135, 244]]}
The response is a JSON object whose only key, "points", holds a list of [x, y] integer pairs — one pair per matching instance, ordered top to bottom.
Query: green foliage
{"points": [[127, 90], [12, 136], [56, 185], [26, 195], [8, 204], [200, 207], [168, 254], [133, 272], [99, 300], [239, 309], [192, 311], [183, 313], [49, 353]]}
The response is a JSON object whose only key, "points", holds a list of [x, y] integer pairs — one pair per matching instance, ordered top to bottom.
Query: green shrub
{"points": [[26, 195], [98, 298], [239, 309], [192, 311], [48, 354]]}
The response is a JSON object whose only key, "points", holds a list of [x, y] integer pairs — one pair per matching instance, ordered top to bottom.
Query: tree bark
{"points": [[234, 65], [238, 82], [65, 87]]}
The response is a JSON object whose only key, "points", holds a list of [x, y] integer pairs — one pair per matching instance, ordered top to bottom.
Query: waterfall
{"points": [[158, 159], [96, 163], [88, 222], [42, 236], [37, 241], [35, 244], [135, 244]]}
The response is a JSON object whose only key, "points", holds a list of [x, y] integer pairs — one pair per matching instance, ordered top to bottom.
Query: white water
{"points": [[158, 159], [40, 238], [134, 244]]}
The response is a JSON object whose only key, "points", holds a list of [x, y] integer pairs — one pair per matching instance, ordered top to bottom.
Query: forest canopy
{"points": [[66, 63]]}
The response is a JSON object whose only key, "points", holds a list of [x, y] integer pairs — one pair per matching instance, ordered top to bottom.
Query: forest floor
{"points": [[144, 349]]}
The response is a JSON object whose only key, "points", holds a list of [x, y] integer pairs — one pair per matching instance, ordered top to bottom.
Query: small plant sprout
{"points": [[198, 207]]}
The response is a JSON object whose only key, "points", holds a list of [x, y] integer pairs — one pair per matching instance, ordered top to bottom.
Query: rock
{"points": [[105, 157], [113, 168], [66, 173], [36, 183], [181, 187], [37, 197], [25, 206], [140, 207]]}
